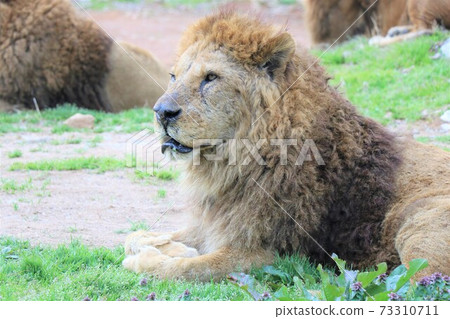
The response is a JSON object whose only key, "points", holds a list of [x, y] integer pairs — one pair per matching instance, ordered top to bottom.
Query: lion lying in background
{"points": [[331, 20], [398, 20], [50, 55], [362, 193]]}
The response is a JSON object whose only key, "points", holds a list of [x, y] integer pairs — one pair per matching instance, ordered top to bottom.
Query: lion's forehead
{"points": [[197, 64]]}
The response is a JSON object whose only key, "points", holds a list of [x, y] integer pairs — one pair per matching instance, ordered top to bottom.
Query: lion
{"points": [[422, 15], [396, 20], [332, 21], [50, 55], [324, 179]]}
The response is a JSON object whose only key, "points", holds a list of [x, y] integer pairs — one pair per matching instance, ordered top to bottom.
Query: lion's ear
{"points": [[277, 53]]}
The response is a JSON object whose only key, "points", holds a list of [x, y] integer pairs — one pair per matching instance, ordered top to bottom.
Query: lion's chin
{"points": [[175, 146]]}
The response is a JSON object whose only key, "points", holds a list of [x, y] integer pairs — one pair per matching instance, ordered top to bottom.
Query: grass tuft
{"points": [[130, 121], [15, 154], [101, 164], [11, 186]]}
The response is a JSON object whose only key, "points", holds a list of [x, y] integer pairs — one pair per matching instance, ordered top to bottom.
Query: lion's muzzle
{"points": [[167, 110]]}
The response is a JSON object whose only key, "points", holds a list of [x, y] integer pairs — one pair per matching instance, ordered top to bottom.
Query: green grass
{"points": [[104, 4], [401, 79], [129, 121], [67, 141], [74, 141], [95, 141], [442, 141], [15, 154], [101, 164], [162, 174], [167, 174], [11, 186], [161, 193], [134, 226], [73, 272], [76, 272]]}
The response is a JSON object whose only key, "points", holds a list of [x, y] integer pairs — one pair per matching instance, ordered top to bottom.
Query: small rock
{"points": [[445, 48], [446, 116], [80, 121], [445, 128]]}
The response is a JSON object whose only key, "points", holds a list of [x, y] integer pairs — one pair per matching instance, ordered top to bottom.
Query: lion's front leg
{"points": [[384, 41], [215, 265]]}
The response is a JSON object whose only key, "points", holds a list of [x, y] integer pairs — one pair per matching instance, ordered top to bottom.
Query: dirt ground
{"points": [[99, 209]]}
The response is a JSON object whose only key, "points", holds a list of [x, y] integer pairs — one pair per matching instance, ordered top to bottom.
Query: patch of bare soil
{"points": [[97, 208]]}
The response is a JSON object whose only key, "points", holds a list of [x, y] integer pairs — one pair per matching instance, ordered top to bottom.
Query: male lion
{"points": [[398, 20], [50, 55], [363, 195]]}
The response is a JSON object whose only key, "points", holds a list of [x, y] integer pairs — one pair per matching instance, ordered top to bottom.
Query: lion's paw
{"points": [[398, 30], [376, 40], [140, 240], [136, 241], [177, 249], [148, 260]]}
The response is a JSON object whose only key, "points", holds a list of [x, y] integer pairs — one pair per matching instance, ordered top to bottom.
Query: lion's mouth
{"points": [[176, 146]]}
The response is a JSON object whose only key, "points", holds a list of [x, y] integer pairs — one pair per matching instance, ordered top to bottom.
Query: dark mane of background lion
{"points": [[50, 55]]}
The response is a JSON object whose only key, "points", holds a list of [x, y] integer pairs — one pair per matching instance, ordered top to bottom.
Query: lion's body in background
{"points": [[328, 20], [51, 55]]}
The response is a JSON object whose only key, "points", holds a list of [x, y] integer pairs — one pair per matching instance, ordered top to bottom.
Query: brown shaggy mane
{"points": [[68, 66], [355, 188], [362, 193]]}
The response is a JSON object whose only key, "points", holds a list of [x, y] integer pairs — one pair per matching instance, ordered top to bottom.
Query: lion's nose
{"points": [[167, 111]]}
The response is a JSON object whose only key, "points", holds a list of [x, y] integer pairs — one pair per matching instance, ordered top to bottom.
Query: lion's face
{"points": [[222, 82], [205, 99]]}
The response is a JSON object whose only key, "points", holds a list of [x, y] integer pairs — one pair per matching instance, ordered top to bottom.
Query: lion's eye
{"points": [[172, 77], [210, 77]]}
